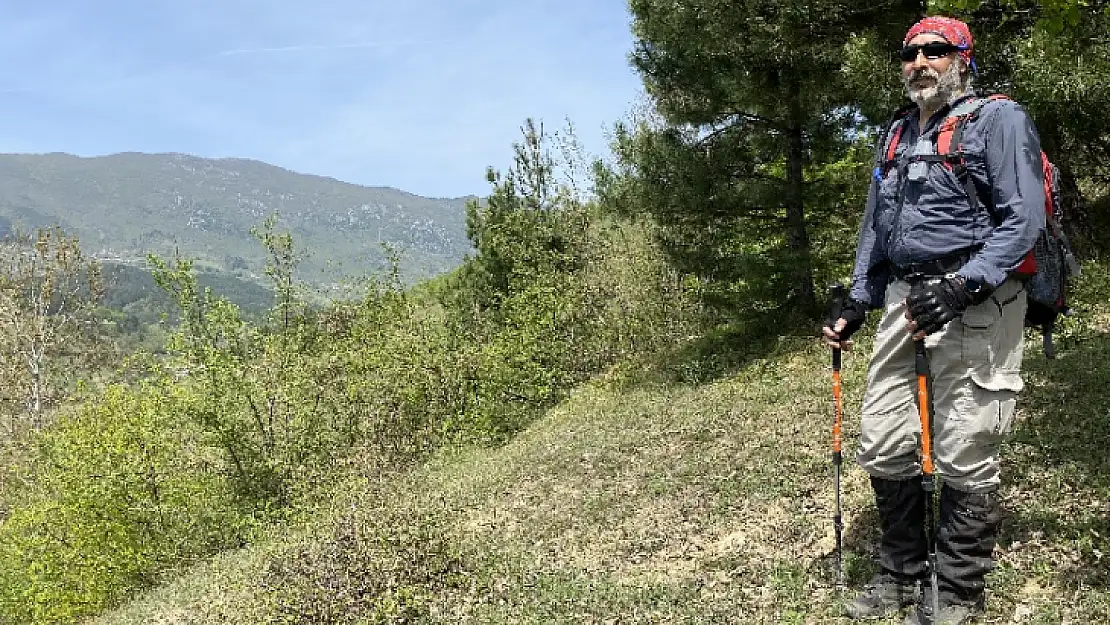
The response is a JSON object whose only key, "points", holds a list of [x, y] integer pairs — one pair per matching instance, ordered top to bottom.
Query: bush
{"points": [[116, 494], [381, 567]]}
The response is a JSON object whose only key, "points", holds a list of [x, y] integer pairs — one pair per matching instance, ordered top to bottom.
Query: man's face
{"points": [[931, 82]]}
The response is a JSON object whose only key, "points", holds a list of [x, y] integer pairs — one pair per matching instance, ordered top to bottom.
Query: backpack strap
{"points": [[950, 135], [950, 146], [887, 147]]}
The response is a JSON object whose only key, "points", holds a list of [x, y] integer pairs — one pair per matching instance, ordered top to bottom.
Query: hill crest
{"points": [[126, 204]]}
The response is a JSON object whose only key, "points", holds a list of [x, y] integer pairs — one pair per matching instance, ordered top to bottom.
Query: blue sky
{"points": [[421, 95]]}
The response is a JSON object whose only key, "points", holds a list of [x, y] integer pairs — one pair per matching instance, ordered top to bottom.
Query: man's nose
{"points": [[919, 61]]}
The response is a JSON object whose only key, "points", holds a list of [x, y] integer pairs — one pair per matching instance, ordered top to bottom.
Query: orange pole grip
{"points": [[926, 439]]}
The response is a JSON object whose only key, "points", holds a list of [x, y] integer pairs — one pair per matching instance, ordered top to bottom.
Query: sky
{"points": [[420, 95]]}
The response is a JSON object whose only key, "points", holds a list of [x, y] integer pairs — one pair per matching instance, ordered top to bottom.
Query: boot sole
{"points": [[875, 617]]}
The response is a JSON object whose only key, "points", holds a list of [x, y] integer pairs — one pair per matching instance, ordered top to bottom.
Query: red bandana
{"points": [[953, 30]]}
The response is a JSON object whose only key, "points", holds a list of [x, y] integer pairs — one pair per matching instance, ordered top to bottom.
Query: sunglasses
{"points": [[932, 50]]}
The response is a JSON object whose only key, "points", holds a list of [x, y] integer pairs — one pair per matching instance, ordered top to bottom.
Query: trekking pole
{"points": [[837, 293], [928, 481]]}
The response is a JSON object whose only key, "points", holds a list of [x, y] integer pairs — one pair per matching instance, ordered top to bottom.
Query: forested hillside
{"points": [[124, 206], [616, 409]]}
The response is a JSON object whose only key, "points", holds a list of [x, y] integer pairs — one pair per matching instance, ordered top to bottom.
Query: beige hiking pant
{"points": [[975, 362]]}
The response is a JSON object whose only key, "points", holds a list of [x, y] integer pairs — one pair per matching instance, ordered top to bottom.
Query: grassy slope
{"points": [[649, 502]]}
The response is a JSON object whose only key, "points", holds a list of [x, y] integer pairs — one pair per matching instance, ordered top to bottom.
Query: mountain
{"points": [[125, 205]]}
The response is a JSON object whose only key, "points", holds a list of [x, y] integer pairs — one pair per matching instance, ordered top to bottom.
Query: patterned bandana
{"points": [[954, 31]]}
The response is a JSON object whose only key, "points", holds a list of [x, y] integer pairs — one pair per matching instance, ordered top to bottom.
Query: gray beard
{"points": [[948, 87]]}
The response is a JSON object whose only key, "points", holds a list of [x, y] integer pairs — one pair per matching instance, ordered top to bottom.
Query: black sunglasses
{"points": [[932, 50]]}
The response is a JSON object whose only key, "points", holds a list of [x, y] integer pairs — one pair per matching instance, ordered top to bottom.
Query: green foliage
{"points": [[1054, 17], [1063, 77], [751, 106], [529, 226], [557, 291], [514, 301], [256, 393], [291, 396], [117, 493]]}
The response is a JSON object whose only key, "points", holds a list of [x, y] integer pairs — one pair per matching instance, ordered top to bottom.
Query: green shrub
{"points": [[117, 493], [367, 566]]}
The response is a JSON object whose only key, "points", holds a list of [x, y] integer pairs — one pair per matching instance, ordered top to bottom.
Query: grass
{"points": [[640, 500]]}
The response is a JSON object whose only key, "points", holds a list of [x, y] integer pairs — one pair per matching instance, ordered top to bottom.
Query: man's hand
{"points": [[931, 304], [844, 320]]}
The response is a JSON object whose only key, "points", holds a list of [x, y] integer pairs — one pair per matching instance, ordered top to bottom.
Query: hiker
{"points": [[940, 266]]}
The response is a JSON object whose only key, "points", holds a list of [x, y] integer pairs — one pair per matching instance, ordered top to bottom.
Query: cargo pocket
{"points": [[979, 324], [996, 381], [990, 415]]}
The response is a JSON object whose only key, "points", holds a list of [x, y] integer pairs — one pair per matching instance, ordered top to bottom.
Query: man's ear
{"points": [[965, 68]]}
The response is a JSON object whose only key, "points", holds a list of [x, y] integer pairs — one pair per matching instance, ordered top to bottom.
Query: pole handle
{"points": [[837, 295], [924, 405]]}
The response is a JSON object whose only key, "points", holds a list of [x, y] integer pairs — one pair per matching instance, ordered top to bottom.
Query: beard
{"points": [[946, 87]]}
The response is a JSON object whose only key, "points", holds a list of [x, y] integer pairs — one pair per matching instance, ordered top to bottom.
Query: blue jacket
{"points": [[925, 214]]}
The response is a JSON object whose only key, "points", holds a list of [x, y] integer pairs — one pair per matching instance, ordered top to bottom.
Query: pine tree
{"points": [[752, 106]]}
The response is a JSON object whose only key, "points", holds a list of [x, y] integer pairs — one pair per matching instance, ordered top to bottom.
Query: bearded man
{"points": [[939, 263]]}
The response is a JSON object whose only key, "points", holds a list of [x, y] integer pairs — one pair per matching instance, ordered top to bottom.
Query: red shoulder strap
{"points": [[951, 129], [946, 133], [892, 147], [1049, 182]]}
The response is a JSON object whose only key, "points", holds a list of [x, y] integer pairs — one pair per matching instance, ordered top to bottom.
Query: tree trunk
{"points": [[802, 293], [35, 400]]}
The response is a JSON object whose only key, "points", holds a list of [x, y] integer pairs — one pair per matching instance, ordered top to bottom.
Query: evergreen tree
{"points": [[752, 109], [530, 225]]}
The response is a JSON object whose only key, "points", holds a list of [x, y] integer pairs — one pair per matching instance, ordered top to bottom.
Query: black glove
{"points": [[933, 303], [854, 312]]}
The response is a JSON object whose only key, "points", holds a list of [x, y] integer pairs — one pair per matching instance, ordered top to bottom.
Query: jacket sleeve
{"points": [[1013, 151], [871, 275]]}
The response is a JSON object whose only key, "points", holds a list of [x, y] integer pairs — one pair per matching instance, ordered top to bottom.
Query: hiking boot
{"points": [[965, 545], [902, 546], [882, 596], [950, 613], [955, 614]]}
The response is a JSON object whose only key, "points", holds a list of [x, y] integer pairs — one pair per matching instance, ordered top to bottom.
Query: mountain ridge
{"points": [[232, 159], [126, 204]]}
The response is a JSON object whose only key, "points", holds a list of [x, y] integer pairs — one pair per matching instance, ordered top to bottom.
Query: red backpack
{"points": [[1048, 267]]}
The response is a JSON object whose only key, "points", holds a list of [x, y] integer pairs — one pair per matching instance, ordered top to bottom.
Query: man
{"points": [[940, 266]]}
